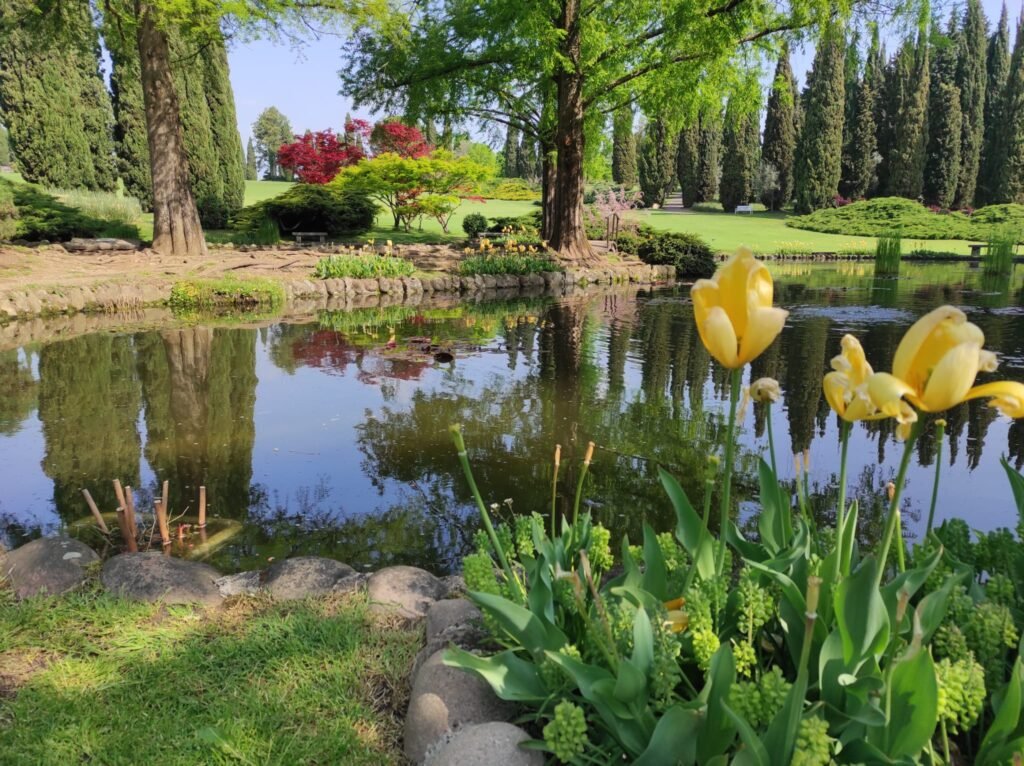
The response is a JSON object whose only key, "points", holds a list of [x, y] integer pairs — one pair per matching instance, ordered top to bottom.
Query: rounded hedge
{"points": [[313, 208], [474, 224], [690, 254]]}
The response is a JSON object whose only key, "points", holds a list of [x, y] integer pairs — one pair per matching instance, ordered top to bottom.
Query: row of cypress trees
{"points": [[942, 120], [67, 131]]}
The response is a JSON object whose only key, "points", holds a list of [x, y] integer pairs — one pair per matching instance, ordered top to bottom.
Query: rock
{"points": [[50, 565], [304, 576], [156, 577], [240, 584], [409, 589], [449, 615], [444, 698], [486, 744]]}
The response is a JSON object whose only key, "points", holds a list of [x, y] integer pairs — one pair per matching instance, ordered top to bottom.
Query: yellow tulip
{"points": [[735, 317], [935, 367], [846, 389], [765, 390], [677, 620]]}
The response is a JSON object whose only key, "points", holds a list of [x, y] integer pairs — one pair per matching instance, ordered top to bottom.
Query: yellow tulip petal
{"points": [[733, 280], [704, 294], [764, 327], [719, 337], [915, 338], [989, 362], [952, 378], [835, 388], [887, 392], [1006, 395], [677, 621]]}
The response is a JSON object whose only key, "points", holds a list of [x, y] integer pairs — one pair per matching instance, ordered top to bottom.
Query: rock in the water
{"points": [[48, 565], [304, 576], [156, 577], [239, 584], [408, 590], [451, 615], [443, 699], [486, 744]]}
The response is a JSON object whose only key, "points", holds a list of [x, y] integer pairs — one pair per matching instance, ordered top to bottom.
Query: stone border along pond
{"points": [[106, 297], [453, 718]]}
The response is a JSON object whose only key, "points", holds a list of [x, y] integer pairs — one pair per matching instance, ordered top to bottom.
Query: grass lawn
{"points": [[767, 233], [91, 678]]}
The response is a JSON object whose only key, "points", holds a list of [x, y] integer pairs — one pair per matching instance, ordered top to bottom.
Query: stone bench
{"points": [[302, 237]]}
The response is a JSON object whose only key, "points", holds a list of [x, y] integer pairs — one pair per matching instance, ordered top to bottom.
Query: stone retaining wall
{"points": [[55, 300]]}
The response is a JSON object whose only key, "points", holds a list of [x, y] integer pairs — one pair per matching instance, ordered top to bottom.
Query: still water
{"points": [[330, 437]]}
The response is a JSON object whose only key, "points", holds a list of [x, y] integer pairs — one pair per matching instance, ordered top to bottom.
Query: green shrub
{"points": [[513, 189], [312, 207], [38, 215], [877, 217], [474, 224], [519, 224], [630, 240], [1001, 247], [687, 252], [888, 253], [510, 263], [362, 267], [225, 292]]}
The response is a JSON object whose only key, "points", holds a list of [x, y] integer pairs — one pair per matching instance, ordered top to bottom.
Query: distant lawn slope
{"points": [[768, 234]]}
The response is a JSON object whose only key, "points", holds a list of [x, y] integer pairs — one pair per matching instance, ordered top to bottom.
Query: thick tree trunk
{"points": [[549, 183], [176, 227], [569, 235]]}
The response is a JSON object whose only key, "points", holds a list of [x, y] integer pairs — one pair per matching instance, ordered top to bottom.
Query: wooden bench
{"points": [[744, 209], [309, 236], [976, 249]]}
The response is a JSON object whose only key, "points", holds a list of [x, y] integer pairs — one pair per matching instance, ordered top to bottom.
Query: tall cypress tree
{"points": [[997, 70], [851, 78], [970, 78], [220, 100], [55, 104], [945, 123], [780, 133], [910, 138], [130, 141], [819, 153], [510, 154], [739, 157], [687, 159], [250, 161], [624, 161], [656, 163], [528, 165], [708, 173], [861, 176], [1010, 183]]}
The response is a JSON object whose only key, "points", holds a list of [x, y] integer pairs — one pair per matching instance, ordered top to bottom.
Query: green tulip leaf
{"points": [[690, 529], [655, 580], [861, 614], [521, 624], [511, 677], [913, 704], [674, 739]]}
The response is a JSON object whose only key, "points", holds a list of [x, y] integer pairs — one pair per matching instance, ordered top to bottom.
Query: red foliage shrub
{"points": [[397, 138], [316, 158]]}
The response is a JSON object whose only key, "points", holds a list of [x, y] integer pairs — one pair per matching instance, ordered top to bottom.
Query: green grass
{"points": [[767, 234], [507, 263], [362, 267], [225, 292], [88, 678]]}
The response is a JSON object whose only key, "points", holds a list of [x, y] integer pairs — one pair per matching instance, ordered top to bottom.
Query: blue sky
{"points": [[304, 84]]}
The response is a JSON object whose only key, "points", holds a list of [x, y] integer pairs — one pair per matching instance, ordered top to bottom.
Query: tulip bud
{"points": [[765, 390]]}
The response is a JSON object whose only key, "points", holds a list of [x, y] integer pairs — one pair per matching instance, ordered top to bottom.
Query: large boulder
{"points": [[48, 565], [304, 576], [156, 577], [406, 590], [451, 615], [443, 699], [486, 744]]}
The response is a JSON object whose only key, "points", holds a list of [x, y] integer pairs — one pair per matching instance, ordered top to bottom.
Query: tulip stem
{"points": [[736, 380], [771, 438], [939, 439], [844, 440], [894, 504]]}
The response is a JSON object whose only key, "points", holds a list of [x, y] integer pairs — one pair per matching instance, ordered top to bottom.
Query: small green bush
{"points": [[513, 189], [106, 206], [311, 207], [38, 215], [877, 217], [474, 224], [520, 224], [1001, 247], [687, 252], [888, 253], [512, 263], [362, 267], [225, 292]]}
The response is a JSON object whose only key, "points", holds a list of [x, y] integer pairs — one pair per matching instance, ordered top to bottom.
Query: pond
{"points": [[330, 437]]}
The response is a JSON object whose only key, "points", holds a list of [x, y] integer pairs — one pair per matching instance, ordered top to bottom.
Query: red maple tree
{"points": [[398, 138], [316, 157]]}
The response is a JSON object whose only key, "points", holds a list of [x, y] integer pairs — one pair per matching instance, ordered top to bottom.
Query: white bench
{"points": [[744, 209], [304, 236]]}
